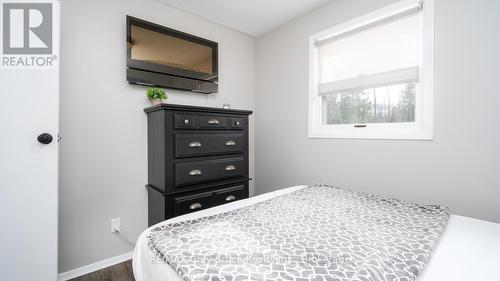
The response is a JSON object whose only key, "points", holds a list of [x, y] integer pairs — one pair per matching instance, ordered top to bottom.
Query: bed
{"points": [[468, 249]]}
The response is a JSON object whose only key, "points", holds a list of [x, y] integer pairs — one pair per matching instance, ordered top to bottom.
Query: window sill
{"points": [[373, 136]]}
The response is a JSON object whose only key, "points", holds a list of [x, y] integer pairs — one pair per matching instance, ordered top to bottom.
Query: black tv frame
{"points": [[152, 74]]}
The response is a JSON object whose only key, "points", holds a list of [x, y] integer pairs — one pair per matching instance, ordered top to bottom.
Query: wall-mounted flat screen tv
{"points": [[164, 57]]}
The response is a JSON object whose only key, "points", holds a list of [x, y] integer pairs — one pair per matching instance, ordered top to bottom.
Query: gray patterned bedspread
{"points": [[316, 233]]}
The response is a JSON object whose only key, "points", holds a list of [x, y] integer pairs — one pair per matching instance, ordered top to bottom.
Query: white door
{"points": [[29, 106]]}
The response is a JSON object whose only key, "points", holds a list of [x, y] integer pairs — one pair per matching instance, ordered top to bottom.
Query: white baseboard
{"points": [[77, 272]]}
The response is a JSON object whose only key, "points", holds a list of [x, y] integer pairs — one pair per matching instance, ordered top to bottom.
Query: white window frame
{"points": [[422, 128]]}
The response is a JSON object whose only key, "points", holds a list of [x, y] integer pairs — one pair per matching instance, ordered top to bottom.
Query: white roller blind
{"points": [[383, 53]]}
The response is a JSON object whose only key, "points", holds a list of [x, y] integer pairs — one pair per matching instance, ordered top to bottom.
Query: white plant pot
{"points": [[157, 101]]}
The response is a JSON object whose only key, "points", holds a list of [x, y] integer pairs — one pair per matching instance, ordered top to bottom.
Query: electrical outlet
{"points": [[115, 225]]}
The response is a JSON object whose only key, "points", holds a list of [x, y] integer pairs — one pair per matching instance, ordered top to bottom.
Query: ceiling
{"points": [[253, 17]]}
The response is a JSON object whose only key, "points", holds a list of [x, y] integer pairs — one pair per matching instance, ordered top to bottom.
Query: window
{"points": [[372, 77]]}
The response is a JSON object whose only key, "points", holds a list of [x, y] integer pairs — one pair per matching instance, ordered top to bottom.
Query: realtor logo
{"points": [[27, 28], [27, 34]]}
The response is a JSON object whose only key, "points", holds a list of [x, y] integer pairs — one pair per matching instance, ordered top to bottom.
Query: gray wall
{"points": [[103, 149], [103, 165], [460, 167]]}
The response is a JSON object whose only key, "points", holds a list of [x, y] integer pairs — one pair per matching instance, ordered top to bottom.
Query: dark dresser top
{"points": [[179, 107]]}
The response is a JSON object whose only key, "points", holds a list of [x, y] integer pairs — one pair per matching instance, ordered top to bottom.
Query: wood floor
{"points": [[118, 272]]}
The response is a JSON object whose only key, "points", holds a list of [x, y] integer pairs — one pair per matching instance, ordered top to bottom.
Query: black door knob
{"points": [[45, 138]]}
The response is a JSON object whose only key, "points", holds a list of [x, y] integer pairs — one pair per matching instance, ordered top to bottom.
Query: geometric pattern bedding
{"points": [[316, 233]]}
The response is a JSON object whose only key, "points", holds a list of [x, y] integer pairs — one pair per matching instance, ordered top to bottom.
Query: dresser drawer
{"points": [[184, 121], [212, 122], [236, 123], [207, 144], [191, 172], [231, 194], [192, 203], [165, 206]]}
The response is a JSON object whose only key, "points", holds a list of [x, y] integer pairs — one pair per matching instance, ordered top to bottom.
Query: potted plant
{"points": [[156, 95]]}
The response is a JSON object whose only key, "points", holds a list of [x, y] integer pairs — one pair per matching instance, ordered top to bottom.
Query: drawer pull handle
{"points": [[186, 121], [213, 121], [230, 143], [195, 144], [230, 168], [195, 173], [230, 198], [195, 206]]}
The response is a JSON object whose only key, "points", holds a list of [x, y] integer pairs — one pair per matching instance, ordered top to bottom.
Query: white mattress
{"points": [[469, 249]]}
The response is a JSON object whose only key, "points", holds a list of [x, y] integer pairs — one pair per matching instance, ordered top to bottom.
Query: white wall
{"points": [[103, 150], [459, 167]]}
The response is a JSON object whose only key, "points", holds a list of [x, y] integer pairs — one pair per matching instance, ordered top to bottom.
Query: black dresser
{"points": [[197, 159]]}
